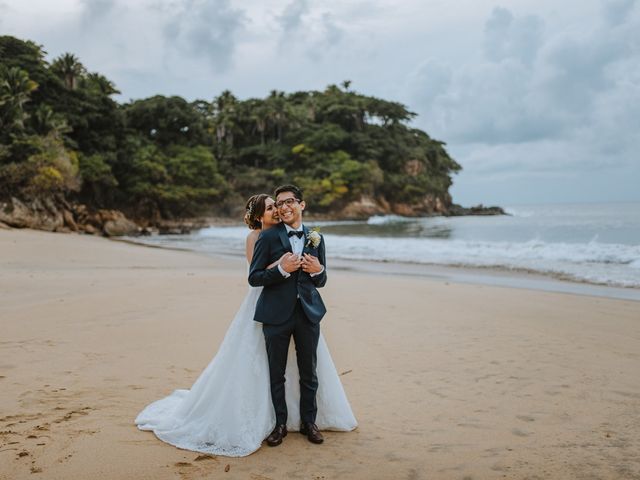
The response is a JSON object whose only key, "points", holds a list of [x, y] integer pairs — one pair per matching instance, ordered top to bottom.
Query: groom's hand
{"points": [[290, 262], [311, 264]]}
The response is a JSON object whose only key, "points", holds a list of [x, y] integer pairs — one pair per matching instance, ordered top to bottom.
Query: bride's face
{"points": [[270, 216]]}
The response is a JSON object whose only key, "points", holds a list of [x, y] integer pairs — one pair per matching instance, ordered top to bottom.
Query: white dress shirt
{"points": [[297, 244], [297, 247]]}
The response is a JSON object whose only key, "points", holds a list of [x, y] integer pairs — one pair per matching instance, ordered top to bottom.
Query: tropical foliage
{"points": [[63, 134]]}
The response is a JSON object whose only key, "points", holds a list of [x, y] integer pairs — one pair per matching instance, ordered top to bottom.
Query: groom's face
{"points": [[289, 208]]}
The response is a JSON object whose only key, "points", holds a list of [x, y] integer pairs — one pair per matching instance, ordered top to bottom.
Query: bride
{"points": [[228, 410]]}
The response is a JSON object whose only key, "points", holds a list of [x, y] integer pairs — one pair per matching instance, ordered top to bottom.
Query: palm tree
{"points": [[69, 68], [102, 84], [15, 90], [311, 103], [346, 108], [279, 110], [257, 112], [225, 120], [45, 121]]}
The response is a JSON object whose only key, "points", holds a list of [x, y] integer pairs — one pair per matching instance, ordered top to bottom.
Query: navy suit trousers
{"points": [[305, 335]]}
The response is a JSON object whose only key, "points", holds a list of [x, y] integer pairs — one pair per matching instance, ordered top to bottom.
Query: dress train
{"points": [[228, 410]]}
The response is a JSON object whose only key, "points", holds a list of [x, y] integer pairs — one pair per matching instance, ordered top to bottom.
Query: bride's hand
{"points": [[277, 262], [290, 262]]}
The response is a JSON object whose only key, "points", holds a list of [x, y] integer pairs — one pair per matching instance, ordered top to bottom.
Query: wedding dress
{"points": [[228, 410]]}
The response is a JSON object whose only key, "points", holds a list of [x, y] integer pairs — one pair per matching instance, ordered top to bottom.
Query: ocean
{"points": [[592, 243]]}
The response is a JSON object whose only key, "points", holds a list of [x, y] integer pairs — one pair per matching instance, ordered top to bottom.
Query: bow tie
{"points": [[297, 233]]}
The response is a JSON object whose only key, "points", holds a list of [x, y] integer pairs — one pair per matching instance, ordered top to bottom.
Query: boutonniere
{"points": [[314, 238]]}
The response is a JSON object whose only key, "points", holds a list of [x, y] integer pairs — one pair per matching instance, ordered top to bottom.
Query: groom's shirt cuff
{"points": [[282, 272], [317, 273], [287, 274]]}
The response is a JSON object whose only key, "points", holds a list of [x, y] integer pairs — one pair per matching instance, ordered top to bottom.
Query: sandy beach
{"points": [[447, 380]]}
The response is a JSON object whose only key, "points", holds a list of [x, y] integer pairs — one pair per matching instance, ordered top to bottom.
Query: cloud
{"points": [[3, 8], [96, 10], [617, 11], [291, 18], [205, 29], [311, 32], [333, 33], [509, 37], [531, 87], [540, 105]]}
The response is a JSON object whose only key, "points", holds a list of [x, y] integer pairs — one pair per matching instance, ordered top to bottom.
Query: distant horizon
{"points": [[586, 202], [608, 202]]}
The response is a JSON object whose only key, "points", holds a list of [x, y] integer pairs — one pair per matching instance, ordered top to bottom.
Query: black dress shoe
{"points": [[312, 432], [275, 438]]}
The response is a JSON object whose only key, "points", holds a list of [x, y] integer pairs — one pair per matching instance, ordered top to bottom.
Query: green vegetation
{"points": [[63, 137]]}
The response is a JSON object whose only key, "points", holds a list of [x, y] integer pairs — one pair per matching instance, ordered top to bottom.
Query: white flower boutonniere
{"points": [[314, 238]]}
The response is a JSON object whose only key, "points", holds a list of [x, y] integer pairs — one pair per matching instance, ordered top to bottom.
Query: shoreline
{"points": [[489, 276]]}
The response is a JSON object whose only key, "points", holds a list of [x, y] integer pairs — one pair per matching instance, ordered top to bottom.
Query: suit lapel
{"points": [[282, 232]]}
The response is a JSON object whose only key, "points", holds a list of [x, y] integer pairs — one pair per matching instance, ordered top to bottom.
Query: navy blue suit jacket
{"points": [[279, 295]]}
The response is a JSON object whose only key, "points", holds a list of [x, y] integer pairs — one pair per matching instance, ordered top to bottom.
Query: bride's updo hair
{"points": [[254, 210]]}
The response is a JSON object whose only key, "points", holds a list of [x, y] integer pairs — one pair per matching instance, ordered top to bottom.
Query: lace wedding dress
{"points": [[228, 410]]}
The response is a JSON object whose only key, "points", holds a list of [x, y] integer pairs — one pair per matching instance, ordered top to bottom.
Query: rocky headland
{"points": [[60, 215]]}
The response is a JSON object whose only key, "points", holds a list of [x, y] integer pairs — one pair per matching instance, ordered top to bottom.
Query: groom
{"points": [[290, 305]]}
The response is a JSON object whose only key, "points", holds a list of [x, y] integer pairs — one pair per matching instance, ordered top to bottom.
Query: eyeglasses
{"points": [[287, 201]]}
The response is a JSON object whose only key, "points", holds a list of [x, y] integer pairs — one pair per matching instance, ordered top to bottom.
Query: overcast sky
{"points": [[538, 100]]}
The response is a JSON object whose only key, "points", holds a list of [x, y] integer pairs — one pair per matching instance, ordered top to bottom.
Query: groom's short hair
{"points": [[289, 188]]}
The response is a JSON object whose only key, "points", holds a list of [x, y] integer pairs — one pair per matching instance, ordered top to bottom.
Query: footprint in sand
{"points": [[69, 415], [525, 418], [65, 458], [201, 458]]}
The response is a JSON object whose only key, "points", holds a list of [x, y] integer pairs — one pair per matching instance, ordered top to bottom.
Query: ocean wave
{"points": [[518, 212], [387, 219], [233, 232], [594, 262]]}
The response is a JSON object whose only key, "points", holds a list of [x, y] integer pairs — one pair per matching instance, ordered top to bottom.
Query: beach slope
{"points": [[448, 381]]}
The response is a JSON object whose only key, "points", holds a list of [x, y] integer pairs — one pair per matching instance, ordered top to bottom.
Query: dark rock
{"points": [[365, 207], [458, 210], [36, 214], [109, 215], [69, 221], [117, 225], [181, 226], [89, 229], [147, 231]]}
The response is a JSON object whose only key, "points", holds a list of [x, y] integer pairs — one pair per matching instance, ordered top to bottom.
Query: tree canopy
{"points": [[62, 134]]}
